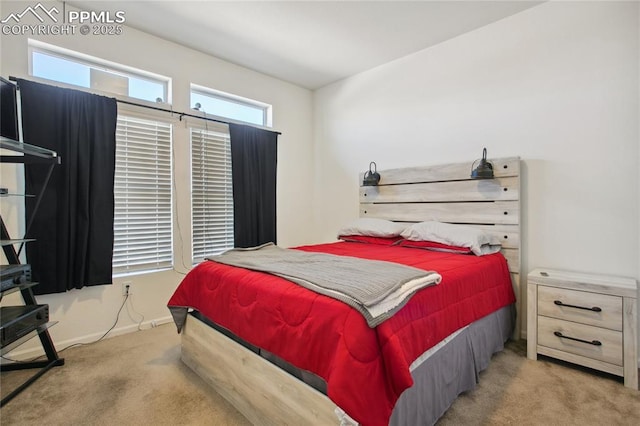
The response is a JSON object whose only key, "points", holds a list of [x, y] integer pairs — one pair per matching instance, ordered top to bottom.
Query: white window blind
{"points": [[211, 192], [142, 222]]}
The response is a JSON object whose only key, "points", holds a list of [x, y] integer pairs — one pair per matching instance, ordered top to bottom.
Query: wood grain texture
{"points": [[502, 167], [505, 189], [499, 212], [508, 235], [513, 260], [597, 283], [617, 298], [609, 317], [532, 321], [630, 338], [610, 350], [581, 360], [263, 393]]}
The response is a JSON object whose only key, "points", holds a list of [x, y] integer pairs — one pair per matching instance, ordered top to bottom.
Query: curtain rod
{"points": [[181, 114], [186, 114]]}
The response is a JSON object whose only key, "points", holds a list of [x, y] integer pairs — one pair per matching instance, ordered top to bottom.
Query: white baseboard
{"points": [[30, 353]]}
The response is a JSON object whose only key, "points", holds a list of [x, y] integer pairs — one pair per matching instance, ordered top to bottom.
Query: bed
{"points": [[284, 355]]}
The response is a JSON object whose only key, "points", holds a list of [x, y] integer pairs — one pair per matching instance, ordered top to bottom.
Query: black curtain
{"points": [[253, 164], [73, 225]]}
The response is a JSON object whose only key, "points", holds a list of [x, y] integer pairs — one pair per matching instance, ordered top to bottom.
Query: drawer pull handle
{"points": [[594, 309], [593, 342]]}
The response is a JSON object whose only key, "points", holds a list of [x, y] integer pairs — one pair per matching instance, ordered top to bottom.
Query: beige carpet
{"points": [[138, 379]]}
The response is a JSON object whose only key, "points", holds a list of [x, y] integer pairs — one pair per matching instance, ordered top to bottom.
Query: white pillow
{"points": [[372, 227], [454, 235]]}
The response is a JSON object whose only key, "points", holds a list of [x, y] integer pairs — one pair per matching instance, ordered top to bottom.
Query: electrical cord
{"points": [[175, 190], [186, 268], [126, 297], [137, 313]]}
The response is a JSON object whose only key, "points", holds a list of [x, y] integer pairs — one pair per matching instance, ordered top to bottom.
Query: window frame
{"points": [[100, 65], [267, 109]]}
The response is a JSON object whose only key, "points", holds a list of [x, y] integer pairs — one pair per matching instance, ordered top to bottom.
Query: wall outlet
{"points": [[127, 288]]}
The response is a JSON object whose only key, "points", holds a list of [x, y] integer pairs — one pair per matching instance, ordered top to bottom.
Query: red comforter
{"points": [[366, 369]]}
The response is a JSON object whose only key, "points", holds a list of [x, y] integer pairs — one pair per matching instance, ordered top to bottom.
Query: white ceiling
{"points": [[309, 43]]}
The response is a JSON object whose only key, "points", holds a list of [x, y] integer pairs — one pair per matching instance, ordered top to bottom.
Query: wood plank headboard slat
{"points": [[502, 167], [499, 189], [498, 212]]}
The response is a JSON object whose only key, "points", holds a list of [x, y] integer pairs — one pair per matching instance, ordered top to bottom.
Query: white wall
{"points": [[556, 85], [87, 313]]}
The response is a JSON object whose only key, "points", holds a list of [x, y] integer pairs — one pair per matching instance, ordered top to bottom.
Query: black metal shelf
{"points": [[29, 154], [12, 241], [18, 287], [18, 342], [42, 366]]}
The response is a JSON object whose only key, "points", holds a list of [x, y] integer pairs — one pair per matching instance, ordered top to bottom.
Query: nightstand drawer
{"points": [[600, 310], [594, 342]]}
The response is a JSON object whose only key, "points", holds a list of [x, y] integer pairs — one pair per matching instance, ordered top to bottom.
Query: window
{"points": [[73, 68], [229, 106], [211, 192], [143, 221]]}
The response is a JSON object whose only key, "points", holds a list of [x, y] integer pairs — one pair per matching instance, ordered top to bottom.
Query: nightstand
{"points": [[585, 319]]}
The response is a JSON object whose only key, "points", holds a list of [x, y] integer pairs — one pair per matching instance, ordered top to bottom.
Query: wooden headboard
{"points": [[446, 193]]}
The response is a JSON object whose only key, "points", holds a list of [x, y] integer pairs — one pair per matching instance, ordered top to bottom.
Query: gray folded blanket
{"points": [[377, 289]]}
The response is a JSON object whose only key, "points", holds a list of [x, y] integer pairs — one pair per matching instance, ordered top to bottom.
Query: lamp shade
{"points": [[484, 169], [372, 177]]}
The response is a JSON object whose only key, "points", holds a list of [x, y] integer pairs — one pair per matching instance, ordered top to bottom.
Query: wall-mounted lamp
{"points": [[484, 169], [372, 177]]}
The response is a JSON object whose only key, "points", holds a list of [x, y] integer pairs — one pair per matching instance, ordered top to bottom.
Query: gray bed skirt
{"points": [[451, 368], [440, 374]]}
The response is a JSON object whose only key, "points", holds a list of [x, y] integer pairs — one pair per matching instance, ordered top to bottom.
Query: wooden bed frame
{"points": [[264, 393]]}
